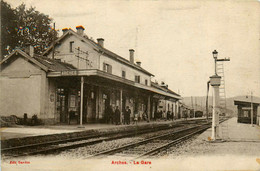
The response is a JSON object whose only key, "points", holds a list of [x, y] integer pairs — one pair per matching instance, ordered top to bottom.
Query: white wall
{"points": [[63, 53], [95, 58], [117, 69], [20, 89]]}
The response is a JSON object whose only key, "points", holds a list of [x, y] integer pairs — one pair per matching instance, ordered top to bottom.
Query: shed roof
{"points": [[44, 63], [246, 99]]}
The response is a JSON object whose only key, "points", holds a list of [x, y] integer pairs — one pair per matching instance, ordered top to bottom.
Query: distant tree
{"points": [[8, 24], [25, 26], [34, 28]]}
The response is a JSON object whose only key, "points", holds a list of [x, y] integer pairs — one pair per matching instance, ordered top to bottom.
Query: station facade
{"points": [[76, 80]]}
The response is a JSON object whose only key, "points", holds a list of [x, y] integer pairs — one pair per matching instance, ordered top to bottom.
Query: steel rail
{"points": [[163, 127], [92, 135], [174, 142], [130, 145], [70, 146], [115, 150]]}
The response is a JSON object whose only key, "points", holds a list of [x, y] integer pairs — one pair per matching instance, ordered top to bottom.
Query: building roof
{"points": [[99, 49], [44, 63], [54, 64], [55, 68], [153, 84], [247, 99]]}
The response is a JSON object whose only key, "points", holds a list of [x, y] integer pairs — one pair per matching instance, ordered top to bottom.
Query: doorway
{"points": [[62, 107]]}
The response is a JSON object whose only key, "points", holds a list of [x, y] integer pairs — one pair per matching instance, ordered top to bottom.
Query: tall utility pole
{"points": [[53, 41], [136, 42], [1, 55], [192, 106], [195, 107], [252, 110]]}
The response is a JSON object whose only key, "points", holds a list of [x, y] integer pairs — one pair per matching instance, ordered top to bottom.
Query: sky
{"points": [[173, 39]]}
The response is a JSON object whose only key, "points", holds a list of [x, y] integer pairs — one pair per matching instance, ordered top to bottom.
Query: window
{"points": [[71, 46], [107, 68], [123, 74], [137, 78], [146, 82]]}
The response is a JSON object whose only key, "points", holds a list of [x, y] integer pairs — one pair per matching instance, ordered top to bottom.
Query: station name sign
{"points": [[69, 72], [246, 108]]}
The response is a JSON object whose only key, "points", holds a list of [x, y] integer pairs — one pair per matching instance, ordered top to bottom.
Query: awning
{"points": [[95, 72]]}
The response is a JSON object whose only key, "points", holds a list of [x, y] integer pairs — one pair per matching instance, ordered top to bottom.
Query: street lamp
{"points": [[215, 56]]}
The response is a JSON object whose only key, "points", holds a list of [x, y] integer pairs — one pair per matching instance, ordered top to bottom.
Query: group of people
{"points": [[160, 114], [114, 116]]}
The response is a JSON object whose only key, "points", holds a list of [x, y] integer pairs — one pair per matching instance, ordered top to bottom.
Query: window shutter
{"points": [[104, 67], [110, 69]]}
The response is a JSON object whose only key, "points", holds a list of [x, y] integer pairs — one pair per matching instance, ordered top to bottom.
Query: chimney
{"points": [[64, 30], [80, 30], [100, 42], [29, 49], [131, 55], [138, 63], [162, 83]]}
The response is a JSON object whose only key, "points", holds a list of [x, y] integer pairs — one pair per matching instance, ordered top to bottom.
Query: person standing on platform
{"points": [[109, 114], [106, 115], [127, 115], [155, 115], [168, 115], [117, 116], [135, 118]]}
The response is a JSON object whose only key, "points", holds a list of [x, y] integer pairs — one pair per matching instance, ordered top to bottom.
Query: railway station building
{"points": [[76, 78]]}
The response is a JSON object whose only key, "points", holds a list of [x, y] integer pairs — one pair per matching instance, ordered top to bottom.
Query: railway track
{"points": [[70, 143], [73, 143], [153, 145], [147, 146]]}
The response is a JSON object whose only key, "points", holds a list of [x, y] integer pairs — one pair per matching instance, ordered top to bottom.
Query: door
{"points": [[105, 105], [62, 108]]}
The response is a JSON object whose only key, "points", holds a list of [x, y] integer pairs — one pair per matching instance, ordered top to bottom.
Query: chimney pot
{"points": [[64, 30], [80, 30], [100, 42], [29, 49], [131, 55]]}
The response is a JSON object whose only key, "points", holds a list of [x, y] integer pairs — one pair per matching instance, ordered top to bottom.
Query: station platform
{"points": [[231, 130], [32, 131], [237, 140]]}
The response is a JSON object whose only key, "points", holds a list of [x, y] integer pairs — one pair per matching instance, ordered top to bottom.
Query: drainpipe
{"points": [[207, 101]]}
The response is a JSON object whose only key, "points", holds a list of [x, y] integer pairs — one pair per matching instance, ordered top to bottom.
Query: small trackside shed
{"points": [[244, 111]]}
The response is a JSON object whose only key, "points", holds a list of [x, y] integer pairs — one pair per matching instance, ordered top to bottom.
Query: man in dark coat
{"points": [[109, 114], [127, 115], [168, 115], [117, 116]]}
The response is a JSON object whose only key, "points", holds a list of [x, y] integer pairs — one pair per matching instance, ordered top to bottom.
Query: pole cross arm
{"points": [[226, 59]]}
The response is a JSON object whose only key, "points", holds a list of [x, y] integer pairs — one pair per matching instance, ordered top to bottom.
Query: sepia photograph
{"points": [[130, 85]]}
